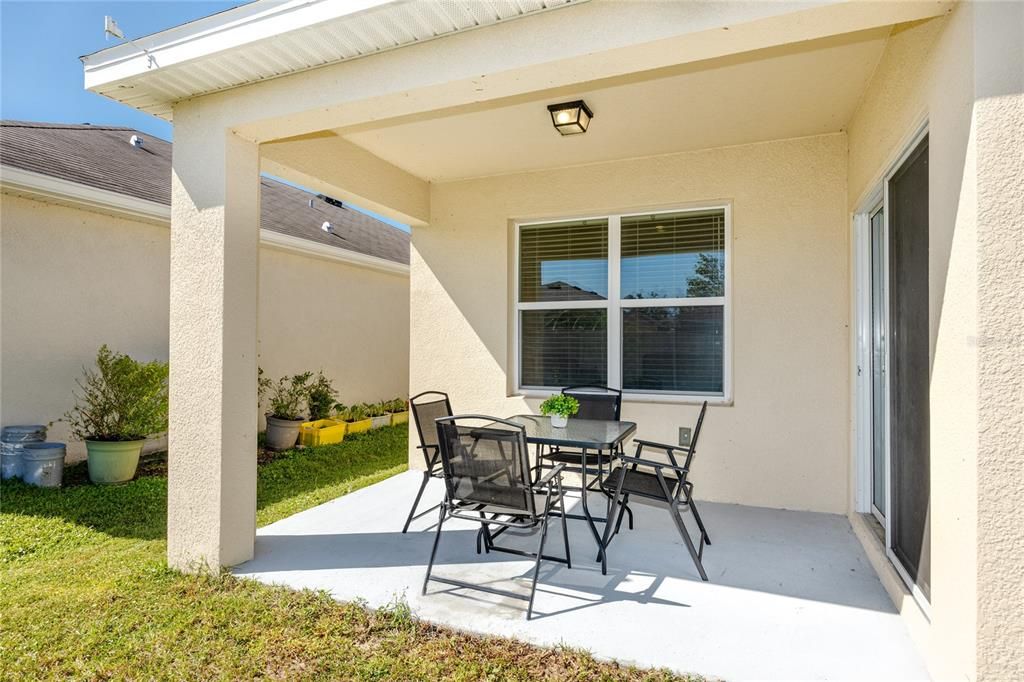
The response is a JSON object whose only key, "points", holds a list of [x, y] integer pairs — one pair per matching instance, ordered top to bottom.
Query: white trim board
{"points": [[44, 187]]}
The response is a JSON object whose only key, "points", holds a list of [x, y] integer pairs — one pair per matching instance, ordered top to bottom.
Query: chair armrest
{"points": [[661, 446], [632, 459], [550, 475]]}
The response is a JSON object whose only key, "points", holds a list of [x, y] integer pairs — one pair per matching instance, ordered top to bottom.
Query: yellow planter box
{"points": [[399, 417], [360, 426], [322, 432]]}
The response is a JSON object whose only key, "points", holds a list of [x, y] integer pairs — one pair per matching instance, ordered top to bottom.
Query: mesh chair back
{"points": [[596, 402], [427, 407], [696, 435], [485, 462]]}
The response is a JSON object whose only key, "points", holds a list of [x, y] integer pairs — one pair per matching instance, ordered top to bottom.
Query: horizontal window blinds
{"points": [[673, 255], [565, 261], [563, 347], [673, 349]]}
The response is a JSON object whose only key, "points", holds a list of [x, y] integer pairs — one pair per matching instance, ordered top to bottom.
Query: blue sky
{"points": [[40, 43], [41, 75]]}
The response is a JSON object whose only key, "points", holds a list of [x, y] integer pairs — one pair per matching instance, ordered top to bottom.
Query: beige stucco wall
{"points": [[964, 74], [73, 279], [782, 443]]}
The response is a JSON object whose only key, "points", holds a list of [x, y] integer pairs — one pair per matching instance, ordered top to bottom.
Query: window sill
{"points": [[653, 398]]}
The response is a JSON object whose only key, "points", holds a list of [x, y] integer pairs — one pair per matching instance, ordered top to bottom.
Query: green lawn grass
{"points": [[85, 593]]}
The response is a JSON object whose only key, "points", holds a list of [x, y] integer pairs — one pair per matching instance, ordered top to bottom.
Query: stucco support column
{"points": [[999, 135], [211, 516]]}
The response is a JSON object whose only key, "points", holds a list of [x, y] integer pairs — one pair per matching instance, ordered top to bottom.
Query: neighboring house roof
{"points": [[103, 157]]}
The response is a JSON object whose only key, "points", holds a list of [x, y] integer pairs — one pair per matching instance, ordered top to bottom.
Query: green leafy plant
{"points": [[286, 396], [321, 397], [120, 400], [395, 405], [564, 405], [375, 409], [351, 413]]}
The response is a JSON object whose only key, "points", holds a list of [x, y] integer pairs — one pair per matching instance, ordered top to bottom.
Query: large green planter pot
{"points": [[113, 461]]}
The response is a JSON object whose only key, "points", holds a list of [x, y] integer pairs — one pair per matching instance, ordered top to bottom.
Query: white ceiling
{"points": [[803, 89]]}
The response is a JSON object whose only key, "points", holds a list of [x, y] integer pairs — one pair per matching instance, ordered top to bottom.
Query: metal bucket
{"points": [[12, 441], [43, 464]]}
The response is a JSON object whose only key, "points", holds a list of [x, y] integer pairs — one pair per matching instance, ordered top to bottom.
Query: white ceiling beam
{"points": [[336, 167]]}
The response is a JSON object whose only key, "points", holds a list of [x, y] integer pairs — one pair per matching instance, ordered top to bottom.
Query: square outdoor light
{"points": [[571, 118]]}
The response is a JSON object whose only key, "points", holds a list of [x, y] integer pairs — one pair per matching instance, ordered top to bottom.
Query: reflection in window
{"points": [[673, 255], [565, 261], [564, 347], [673, 349]]}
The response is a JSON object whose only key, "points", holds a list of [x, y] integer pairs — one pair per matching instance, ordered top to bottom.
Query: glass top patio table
{"points": [[590, 434], [595, 435]]}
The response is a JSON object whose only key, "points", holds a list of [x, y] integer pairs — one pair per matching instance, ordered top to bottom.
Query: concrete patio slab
{"points": [[791, 594]]}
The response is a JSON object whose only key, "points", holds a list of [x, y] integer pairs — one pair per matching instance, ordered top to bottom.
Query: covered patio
{"points": [[760, 137], [791, 594]]}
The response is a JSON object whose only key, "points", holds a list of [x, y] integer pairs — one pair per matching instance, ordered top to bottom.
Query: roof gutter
{"points": [[48, 188]]}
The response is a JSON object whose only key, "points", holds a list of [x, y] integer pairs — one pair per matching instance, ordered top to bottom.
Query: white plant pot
{"points": [[559, 421]]}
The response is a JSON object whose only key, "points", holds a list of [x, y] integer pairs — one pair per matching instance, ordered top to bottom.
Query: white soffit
{"points": [[270, 38]]}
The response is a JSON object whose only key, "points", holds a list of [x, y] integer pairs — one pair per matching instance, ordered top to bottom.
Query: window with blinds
{"points": [[673, 255], [564, 261], [635, 302]]}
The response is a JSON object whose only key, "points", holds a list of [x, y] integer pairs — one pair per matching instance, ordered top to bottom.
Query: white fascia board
{"points": [[216, 33], [47, 187], [304, 247]]}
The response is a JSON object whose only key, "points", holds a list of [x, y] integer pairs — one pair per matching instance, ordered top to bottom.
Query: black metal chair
{"points": [[596, 402], [427, 407], [488, 480], [666, 482]]}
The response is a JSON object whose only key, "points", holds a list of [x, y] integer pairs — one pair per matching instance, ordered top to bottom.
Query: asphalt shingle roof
{"points": [[101, 156]]}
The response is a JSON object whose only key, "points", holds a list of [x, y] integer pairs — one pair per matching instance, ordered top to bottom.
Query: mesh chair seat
{"points": [[639, 482]]}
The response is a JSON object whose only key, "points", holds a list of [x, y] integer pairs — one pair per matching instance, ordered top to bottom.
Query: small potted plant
{"points": [[286, 398], [121, 403], [560, 407], [398, 408], [379, 415], [355, 417], [320, 430]]}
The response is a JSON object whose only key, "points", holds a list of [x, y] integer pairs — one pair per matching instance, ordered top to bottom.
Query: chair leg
{"points": [[416, 502], [624, 508], [674, 513], [700, 523], [565, 529], [485, 533], [433, 552], [536, 565]]}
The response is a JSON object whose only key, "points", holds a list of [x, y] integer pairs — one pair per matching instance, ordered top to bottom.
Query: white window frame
{"points": [[614, 305]]}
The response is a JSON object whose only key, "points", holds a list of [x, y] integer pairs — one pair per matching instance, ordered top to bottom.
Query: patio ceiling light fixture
{"points": [[571, 118]]}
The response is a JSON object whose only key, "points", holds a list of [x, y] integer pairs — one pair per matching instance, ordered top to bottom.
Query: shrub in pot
{"points": [[320, 398], [285, 399], [120, 403], [560, 407]]}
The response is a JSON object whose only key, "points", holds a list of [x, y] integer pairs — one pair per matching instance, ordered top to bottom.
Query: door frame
{"points": [[862, 330]]}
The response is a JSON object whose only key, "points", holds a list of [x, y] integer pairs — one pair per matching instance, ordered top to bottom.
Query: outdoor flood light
{"points": [[571, 118]]}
